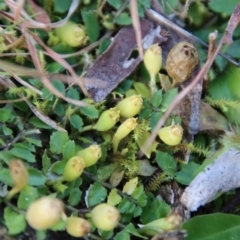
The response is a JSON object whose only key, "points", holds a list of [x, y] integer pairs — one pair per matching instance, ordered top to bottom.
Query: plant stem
{"points": [[152, 84], [87, 128]]}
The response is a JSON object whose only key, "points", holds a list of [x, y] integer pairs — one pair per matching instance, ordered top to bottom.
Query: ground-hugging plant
{"points": [[76, 168]]}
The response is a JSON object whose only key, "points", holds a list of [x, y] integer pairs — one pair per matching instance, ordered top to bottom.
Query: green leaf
{"points": [[115, 3], [145, 3], [61, 6], [222, 6], [123, 19], [91, 24], [54, 67], [225, 87], [73, 93], [157, 98], [167, 98], [59, 109], [90, 112], [145, 113], [5, 114], [155, 118], [76, 121], [38, 123], [6, 131], [34, 141], [57, 141], [2, 142], [25, 145], [69, 150], [23, 154], [46, 162], [167, 163], [58, 167], [105, 172], [186, 175], [5, 176], [36, 178], [97, 194], [27, 195], [140, 195], [75, 197], [113, 197], [124, 205], [154, 209], [137, 211], [14, 221], [59, 226], [213, 227], [131, 229], [105, 234], [41, 235], [122, 235]]}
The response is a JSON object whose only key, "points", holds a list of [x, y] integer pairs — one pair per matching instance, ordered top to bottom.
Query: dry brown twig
{"points": [[136, 26], [226, 39]]}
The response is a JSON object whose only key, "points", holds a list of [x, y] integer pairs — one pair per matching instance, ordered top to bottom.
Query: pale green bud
{"points": [[72, 34], [153, 59], [130, 106], [107, 120], [123, 130], [171, 135], [90, 155], [73, 169], [45, 212], [105, 216], [171, 222], [77, 227]]}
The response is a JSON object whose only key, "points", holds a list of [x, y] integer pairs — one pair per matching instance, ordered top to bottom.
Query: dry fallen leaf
{"points": [[114, 65]]}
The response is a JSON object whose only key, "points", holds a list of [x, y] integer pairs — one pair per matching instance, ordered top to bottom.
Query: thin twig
{"points": [[136, 26], [22, 134]]}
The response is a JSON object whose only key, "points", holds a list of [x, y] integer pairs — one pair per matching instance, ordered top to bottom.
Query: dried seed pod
{"points": [[181, 61], [19, 175]]}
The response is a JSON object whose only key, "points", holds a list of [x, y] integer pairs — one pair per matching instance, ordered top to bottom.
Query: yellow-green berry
{"points": [[72, 34], [153, 59], [130, 106], [107, 120], [123, 130], [171, 135], [90, 155], [73, 169], [44, 213], [105, 216], [77, 227]]}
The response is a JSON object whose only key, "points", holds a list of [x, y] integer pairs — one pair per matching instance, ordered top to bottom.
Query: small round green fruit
{"points": [[43, 213], [105, 216], [77, 227]]}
